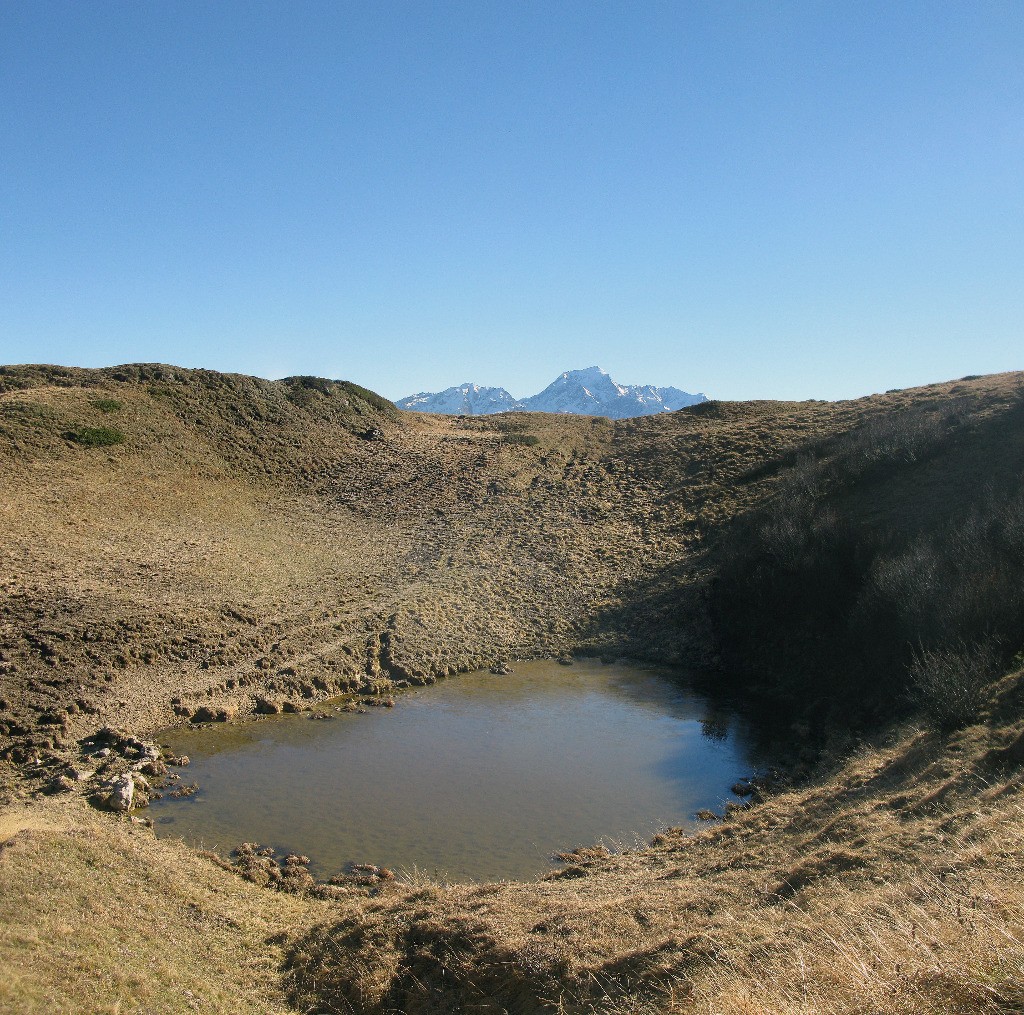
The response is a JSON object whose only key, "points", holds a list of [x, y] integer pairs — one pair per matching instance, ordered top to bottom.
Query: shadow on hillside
{"points": [[869, 550], [658, 617], [431, 964]]}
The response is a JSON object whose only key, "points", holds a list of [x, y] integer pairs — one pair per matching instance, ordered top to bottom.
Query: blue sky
{"points": [[782, 200]]}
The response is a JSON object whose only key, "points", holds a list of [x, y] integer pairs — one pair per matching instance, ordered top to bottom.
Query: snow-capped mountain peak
{"points": [[590, 392], [463, 400]]}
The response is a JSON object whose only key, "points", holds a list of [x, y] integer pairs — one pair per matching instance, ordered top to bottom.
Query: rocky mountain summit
{"points": [[589, 392]]}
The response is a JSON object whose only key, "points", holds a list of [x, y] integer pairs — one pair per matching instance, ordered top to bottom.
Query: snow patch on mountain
{"points": [[463, 400]]}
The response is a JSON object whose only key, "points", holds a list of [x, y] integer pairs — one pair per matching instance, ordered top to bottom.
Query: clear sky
{"points": [[757, 199]]}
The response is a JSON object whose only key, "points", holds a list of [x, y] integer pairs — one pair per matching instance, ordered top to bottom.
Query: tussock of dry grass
{"points": [[921, 944]]}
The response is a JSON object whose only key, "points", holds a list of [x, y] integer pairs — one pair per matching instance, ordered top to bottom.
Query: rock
{"points": [[266, 706], [290, 706], [154, 768], [81, 774], [122, 794], [367, 873]]}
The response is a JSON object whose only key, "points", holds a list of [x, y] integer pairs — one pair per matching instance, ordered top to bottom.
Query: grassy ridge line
{"points": [[885, 554]]}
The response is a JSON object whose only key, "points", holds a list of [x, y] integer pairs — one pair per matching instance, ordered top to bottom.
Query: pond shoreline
{"points": [[536, 722]]}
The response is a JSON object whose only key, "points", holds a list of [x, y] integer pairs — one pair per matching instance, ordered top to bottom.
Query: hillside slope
{"points": [[297, 537], [173, 539]]}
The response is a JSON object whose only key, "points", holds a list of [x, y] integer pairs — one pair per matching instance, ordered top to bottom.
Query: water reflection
{"points": [[479, 777]]}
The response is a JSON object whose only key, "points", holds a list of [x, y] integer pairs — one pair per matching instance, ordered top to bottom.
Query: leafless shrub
{"points": [[900, 437], [950, 683]]}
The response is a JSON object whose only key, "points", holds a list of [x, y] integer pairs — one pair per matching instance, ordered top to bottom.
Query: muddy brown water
{"points": [[480, 777]]}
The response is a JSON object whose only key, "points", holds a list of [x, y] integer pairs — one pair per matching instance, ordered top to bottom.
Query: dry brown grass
{"points": [[249, 537], [95, 917], [921, 944]]}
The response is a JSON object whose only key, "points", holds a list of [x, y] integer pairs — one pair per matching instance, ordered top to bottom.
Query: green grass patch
{"points": [[107, 404], [96, 436]]}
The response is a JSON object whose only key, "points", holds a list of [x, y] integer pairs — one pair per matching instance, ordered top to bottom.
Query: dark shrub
{"points": [[371, 398], [901, 437], [823, 609]]}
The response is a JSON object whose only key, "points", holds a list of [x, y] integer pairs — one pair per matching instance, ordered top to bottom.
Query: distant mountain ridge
{"points": [[589, 392]]}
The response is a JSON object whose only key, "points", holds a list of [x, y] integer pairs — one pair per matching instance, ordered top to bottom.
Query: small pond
{"points": [[480, 777]]}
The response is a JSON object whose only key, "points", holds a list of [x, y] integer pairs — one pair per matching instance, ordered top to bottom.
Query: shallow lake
{"points": [[478, 777]]}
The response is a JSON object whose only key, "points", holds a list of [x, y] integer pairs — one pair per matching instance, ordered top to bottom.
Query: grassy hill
{"points": [[174, 539]]}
